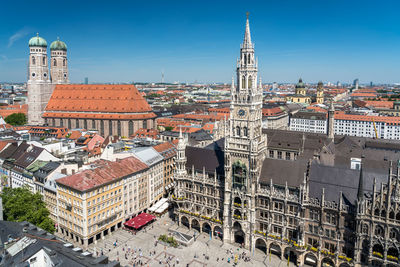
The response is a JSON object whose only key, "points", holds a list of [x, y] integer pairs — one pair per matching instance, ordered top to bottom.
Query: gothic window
{"points": [[245, 59], [248, 59], [33, 61], [44, 61], [54, 62], [64, 62], [243, 82], [250, 82], [77, 123], [85, 124], [93, 124], [145, 124], [130, 128], [237, 130], [245, 133], [239, 174], [376, 213], [383, 213], [391, 215], [365, 229], [379, 231], [393, 234]]}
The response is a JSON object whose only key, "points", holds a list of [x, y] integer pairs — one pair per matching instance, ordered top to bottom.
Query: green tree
{"points": [[16, 119], [169, 128], [20, 204]]}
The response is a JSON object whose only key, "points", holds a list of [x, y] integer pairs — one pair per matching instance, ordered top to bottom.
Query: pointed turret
{"points": [[247, 36], [360, 192]]}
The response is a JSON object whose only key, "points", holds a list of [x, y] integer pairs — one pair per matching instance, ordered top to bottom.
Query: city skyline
{"points": [[198, 42]]}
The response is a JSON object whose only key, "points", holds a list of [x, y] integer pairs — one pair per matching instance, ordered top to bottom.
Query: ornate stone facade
{"points": [[300, 196]]}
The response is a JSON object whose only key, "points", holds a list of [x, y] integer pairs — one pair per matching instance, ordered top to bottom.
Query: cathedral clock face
{"points": [[241, 112]]}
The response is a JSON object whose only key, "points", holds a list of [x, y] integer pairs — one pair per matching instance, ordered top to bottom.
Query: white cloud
{"points": [[18, 35]]}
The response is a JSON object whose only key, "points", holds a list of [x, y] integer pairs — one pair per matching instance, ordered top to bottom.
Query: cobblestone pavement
{"points": [[203, 252]]}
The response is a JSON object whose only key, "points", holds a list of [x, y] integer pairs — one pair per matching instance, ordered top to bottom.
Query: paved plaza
{"points": [[133, 249]]}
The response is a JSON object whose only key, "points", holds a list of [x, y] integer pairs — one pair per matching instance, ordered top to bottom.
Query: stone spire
{"points": [[247, 36], [360, 192]]}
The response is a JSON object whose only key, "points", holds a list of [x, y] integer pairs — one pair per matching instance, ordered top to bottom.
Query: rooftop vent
{"points": [[77, 249]]}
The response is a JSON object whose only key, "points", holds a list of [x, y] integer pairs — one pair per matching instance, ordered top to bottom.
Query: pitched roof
{"points": [[97, 98], [210, 157], [106, 172]]}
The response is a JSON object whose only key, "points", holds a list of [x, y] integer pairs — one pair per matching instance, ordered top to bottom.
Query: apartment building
{"points": [[91, 202]]}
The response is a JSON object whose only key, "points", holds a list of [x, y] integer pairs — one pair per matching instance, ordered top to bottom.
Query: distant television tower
{"points": [[162, 76]]}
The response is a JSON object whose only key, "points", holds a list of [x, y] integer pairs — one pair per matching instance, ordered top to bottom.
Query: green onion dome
{"points": [[37, 41]]}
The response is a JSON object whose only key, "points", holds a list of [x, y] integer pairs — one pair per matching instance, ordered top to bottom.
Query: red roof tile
{"points": [[106, 172]]}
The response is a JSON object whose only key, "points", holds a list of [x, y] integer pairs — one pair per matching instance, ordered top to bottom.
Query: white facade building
{"points": [[348, 124]]}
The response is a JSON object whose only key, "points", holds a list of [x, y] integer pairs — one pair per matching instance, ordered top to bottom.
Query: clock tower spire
{"points": [[245, 146]]}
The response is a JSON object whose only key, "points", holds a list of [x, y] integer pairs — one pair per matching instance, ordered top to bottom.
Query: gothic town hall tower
{"points": [[245, 146]]}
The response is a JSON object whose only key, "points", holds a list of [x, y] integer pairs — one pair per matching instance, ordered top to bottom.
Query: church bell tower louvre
{"points": [[245, 146]]}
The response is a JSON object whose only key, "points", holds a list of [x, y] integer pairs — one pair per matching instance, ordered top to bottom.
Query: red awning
{"points": [[140, 220]]}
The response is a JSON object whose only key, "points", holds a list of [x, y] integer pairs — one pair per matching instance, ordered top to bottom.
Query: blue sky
{"points": [[123, 41]]}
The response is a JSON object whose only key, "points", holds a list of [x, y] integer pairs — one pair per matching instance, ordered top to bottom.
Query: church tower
{"points": [[58, 62], [38, 80], [320, 93], [245, 146]]}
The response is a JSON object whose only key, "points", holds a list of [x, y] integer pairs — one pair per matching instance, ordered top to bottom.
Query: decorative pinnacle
{"points": [[247, 14], [37, 34], [58, 38]]}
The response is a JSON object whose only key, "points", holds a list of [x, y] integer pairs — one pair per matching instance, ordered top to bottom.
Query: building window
{"points": [[33, 61], [44, 61], [54, 62], [64, 62], [61, 122], [69, 123], [77, 123], [85, 124], [93, 124], [145, 124], [102, 127], [119, 127], [130, 128], [237, 130], [110, 131], [245, 131], [271, 154], [279, 154], [287, 155]]}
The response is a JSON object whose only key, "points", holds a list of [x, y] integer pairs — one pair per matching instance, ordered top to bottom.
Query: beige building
{"points": [[91, 202]]}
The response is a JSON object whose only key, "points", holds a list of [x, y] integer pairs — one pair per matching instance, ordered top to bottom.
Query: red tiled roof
{"points": [[120, 98], [7, 110], [271, 111], [352, 117], [166, 149], [106, 172]]}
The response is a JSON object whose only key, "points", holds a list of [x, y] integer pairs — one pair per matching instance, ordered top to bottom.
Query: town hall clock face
{"points": [[241, 112]]}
